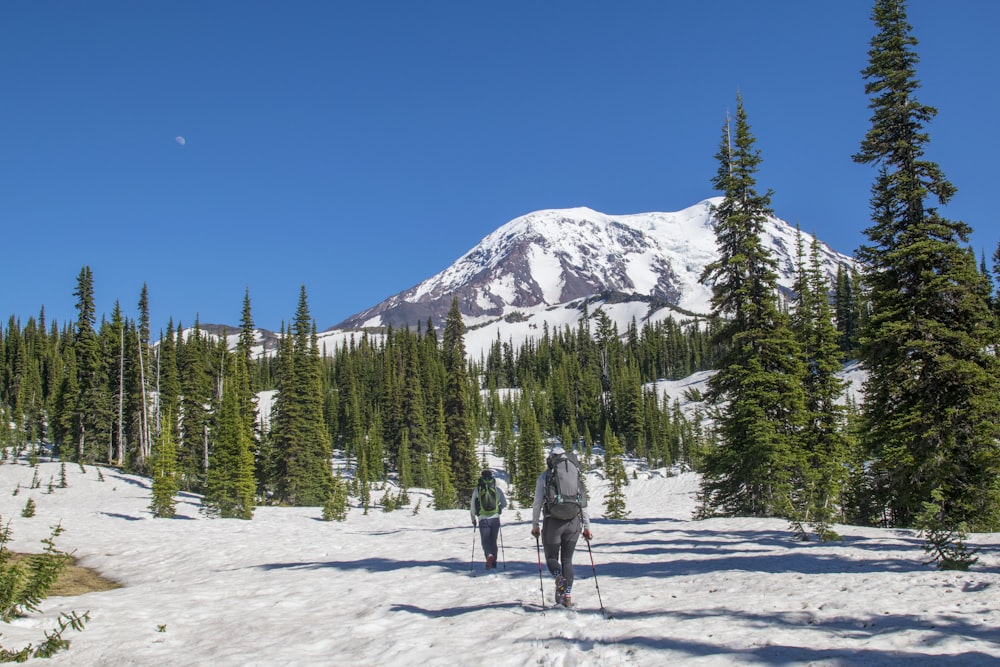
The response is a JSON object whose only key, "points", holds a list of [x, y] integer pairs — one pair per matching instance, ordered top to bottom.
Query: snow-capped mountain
{"points": [[560, 256], [545, 268]]}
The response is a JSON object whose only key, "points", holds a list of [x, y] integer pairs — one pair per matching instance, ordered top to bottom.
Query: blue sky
{"points": [[360, 147]]}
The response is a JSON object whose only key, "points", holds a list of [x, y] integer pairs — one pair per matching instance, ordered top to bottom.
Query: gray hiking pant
{"points": [[489, 530], [559, 540]]}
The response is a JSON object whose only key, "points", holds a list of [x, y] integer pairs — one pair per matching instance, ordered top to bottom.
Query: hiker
{"points": [[561, 496], [487, 503]]}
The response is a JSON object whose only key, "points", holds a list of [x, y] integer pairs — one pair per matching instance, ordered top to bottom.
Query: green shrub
{"points": [[24, 583]]}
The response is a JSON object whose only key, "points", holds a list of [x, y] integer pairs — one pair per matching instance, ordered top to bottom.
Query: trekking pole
{"points": [[503, 553], [472, 559], [594, 568], [541, 588]]}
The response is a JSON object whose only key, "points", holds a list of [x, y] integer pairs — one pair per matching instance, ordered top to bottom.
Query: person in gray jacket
{"points": [[488, 501], [560, 535]]}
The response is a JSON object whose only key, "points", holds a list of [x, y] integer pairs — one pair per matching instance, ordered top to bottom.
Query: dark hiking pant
{"points": [[559, 540]]}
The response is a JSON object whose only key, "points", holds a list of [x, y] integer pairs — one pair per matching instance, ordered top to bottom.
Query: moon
{"points": [[181, 140]]}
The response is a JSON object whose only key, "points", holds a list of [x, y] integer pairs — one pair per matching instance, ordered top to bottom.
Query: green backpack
{"points": [[486, 499]]}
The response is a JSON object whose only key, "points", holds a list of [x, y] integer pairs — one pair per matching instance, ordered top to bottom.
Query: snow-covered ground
{"points": [[396, 588]]}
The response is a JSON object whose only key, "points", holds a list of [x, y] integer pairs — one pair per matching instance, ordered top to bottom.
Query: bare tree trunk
{"points": [[156, 408], [79, 440], [144, 445], [118, 459]]}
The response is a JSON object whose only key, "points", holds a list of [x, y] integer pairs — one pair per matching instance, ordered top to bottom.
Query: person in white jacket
{"points": [[559, 536]]}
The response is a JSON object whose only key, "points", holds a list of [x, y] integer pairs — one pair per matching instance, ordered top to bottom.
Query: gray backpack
{"points": [[564, 492]]}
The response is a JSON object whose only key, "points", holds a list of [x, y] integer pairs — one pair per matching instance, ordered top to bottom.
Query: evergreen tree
{"points": [[996, 277], [849, 305], [24, 367], [431, 374], [9, 377], [169, 381], [248, 387], [757, 389], [196, 398], [627, 400], [89, 403], [414, 413], [931, 416], [458, 420], [64, 423], [659, 429], [351, 430], [505, 437], [301, 440], [824, 442], [116, 444], [375, 449], [530, 457], [272, 463], [163, 466], [614, 467], [405, 470], [229, 481], [444, 487], [336, 506]]}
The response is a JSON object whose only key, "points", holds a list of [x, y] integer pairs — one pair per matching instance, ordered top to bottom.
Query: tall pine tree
{"points": [[196, 383], [247, 387], [758, 387], [90, 403], [457, 414], [931, 416], [301, 441], [824, 441], [530, 456], [229, 480], [444, 487]]}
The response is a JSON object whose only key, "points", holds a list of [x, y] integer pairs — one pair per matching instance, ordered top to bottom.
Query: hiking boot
{"points": [[491, 562], [560, 588], [567, 600]]}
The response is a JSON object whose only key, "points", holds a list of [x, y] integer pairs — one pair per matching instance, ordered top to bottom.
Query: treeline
{"points": [[107, 393], [400, 402]]}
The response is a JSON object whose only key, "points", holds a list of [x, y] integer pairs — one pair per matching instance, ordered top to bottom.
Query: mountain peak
{"points": [[556, 256]]}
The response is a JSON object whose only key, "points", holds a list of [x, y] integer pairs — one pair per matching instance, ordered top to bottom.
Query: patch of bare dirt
{"points": [[77, 580]]}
